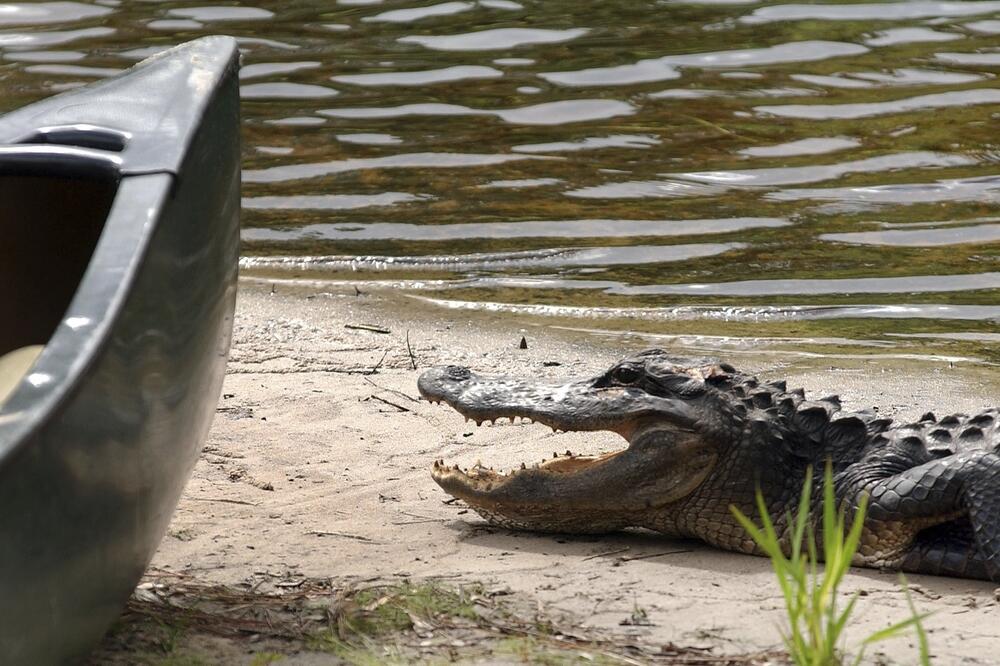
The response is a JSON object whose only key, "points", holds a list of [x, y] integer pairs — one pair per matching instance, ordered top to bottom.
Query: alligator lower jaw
{"points": [[480, 480]]}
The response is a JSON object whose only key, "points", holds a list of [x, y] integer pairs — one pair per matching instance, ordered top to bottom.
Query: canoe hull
{"points": [[87, 491]]}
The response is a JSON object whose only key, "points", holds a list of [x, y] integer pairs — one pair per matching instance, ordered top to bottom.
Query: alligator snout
{"points": [[439, 383]]}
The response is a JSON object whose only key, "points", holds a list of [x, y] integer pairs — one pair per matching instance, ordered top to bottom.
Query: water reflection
{"points": [[874, 11], [38, 13], [417, 13], [209, 14], [174, 24], [988, 27], [895, 36], [51, 38], [498, 39], [45, 56], [984, 59], [667, 67], [276, 68], [73, 70], [911, 76], [421, 78], [285, 90], [871, 109], [548, 113], [296, 121], [370, 139], [590, 143], [776, 144], [813, 146], [405, 161], [819, 172], [522, 182], [710, 183], [985, 189], [330, 201], [533, 229], [984, 233], [490, 261], [926, 284], [731, 313]]}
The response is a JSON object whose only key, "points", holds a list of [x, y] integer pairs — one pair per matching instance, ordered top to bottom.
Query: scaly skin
{"points": [[703, 439]]}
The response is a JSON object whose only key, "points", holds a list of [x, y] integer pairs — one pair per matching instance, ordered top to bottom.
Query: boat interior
{"points": [[49, 228]]}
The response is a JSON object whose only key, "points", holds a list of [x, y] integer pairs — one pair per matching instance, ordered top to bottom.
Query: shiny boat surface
{"points": [[119, 231]]}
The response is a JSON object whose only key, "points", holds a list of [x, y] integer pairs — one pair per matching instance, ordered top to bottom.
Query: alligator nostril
{"points": [[457, 373]]}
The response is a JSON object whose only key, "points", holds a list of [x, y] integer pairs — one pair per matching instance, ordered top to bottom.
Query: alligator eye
{"points": [[626, 374]]}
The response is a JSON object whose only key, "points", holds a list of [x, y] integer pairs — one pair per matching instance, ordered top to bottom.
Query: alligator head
{"points": [[676, 423]]}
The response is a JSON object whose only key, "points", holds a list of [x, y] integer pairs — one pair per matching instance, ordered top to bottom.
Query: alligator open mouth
{"points": [[570, 492]]}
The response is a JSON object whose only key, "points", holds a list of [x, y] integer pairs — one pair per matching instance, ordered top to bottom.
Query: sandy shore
{"points": [[318, 466]]}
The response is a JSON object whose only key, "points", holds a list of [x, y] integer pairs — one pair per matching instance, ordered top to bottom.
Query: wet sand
{"points": [[318, 465]]}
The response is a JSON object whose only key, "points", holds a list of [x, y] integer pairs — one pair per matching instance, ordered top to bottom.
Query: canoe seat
{"points": [[14, 366]]}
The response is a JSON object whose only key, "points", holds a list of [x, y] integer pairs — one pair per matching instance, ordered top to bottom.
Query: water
{"points": [[812, 178]]}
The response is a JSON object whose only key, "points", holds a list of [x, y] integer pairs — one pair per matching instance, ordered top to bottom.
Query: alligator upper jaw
{"points": [[576, 406]]}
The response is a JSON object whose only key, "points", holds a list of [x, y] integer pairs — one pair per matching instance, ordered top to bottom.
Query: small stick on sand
{"points": [[367, 327], [413, 361], [378, 365], [389, 402], [223, 500], [345, 535], [606, 553], [652, 555]]}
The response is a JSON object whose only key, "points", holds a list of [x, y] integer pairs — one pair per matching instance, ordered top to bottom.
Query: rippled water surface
{"points": [[822, 176]]}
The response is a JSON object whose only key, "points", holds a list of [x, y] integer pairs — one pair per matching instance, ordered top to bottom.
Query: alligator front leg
{"points": [[940, 518]]}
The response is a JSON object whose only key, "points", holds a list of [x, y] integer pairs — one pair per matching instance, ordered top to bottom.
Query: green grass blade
{"points": [[918, 626], [815, 627], [894, 630]]}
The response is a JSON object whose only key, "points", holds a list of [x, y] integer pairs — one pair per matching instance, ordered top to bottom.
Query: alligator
{"points": [[705, 438]]}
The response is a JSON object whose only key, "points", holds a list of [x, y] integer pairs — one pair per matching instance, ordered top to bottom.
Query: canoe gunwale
{"points": [[58, 160], [71, 350]]}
